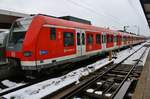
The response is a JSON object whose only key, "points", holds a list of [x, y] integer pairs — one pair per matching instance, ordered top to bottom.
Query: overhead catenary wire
{"points": [[134, 9], [92, 10], [104, 12]]}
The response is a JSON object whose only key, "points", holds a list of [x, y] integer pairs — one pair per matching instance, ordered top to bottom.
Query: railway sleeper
{"points": [[119, 72], [99, 91]]}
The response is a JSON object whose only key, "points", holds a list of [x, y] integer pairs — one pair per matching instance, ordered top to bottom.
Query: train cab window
{"points": [[53, 33], [78, 38], [83, 38], [89, 38], [98, 38], [68, 39]]}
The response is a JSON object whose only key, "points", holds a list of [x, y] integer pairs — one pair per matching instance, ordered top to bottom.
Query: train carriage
{"points": [[41, 41]]}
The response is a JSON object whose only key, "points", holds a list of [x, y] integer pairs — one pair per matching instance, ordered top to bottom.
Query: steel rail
{"points": [[127, 76], [92, 80]]}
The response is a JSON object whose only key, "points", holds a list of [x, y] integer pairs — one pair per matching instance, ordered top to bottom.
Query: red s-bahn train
{"points": [[40, 41]]}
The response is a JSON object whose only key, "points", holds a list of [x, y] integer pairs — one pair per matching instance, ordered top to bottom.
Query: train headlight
{"points": [[27, 53]]}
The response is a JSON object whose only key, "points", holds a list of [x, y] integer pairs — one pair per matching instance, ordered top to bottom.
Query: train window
{"points": [[53, 33], [78, 38], [83, 38], [89, 38], [98, 38], [103, 38], [108, 38], [115, 38], [118, 38], [124, 38], [68, 39], [112, 39]]}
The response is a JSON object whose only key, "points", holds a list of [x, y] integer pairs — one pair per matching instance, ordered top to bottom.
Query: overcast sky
{"points": [[104, 13]]}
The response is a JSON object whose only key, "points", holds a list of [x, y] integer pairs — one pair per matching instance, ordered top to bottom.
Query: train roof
{"points": [[75, 19], [49, 20], [71, 24]]}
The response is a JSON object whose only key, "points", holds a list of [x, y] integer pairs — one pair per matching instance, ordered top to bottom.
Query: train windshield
{"points": [[18, 31]]}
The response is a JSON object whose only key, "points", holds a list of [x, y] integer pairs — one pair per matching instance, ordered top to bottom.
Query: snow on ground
{"points": [[123, 54], [136, 56], [144, 58], [8, 83], [44, 88]]}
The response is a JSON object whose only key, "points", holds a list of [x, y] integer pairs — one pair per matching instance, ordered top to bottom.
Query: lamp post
{"points": [[125, 28], [138, 28]]}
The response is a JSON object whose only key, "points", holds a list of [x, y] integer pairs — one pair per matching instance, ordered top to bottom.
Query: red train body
{"points": [[41, 41]]}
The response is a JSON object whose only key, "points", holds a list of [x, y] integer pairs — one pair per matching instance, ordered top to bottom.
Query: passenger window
{"points": [[53, 33], [78, 38], [83, 38], [98, 38], [103, 38], [108, 38], [115, 38], [123, 38], [68, 39], [89, 39], [112, 39]]}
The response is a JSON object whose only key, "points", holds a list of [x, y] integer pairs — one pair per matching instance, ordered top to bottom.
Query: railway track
{"points": [[111, 84]]}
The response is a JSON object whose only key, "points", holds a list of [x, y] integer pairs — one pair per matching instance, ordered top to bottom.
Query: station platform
{"points": [[142, 90]]}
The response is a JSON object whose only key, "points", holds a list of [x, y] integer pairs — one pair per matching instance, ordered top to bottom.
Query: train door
{"points": [[80, 34], [103, 40], [115, 40]]}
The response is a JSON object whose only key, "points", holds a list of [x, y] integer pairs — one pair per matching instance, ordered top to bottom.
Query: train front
{"points": [[14, 46]]}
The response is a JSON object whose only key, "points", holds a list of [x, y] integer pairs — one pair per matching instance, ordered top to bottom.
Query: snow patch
{"points": [[131, 60], [8, 83], [44, 88]]}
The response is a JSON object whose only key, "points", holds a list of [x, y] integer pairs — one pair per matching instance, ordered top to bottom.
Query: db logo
{"points": [[13, 54]]}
